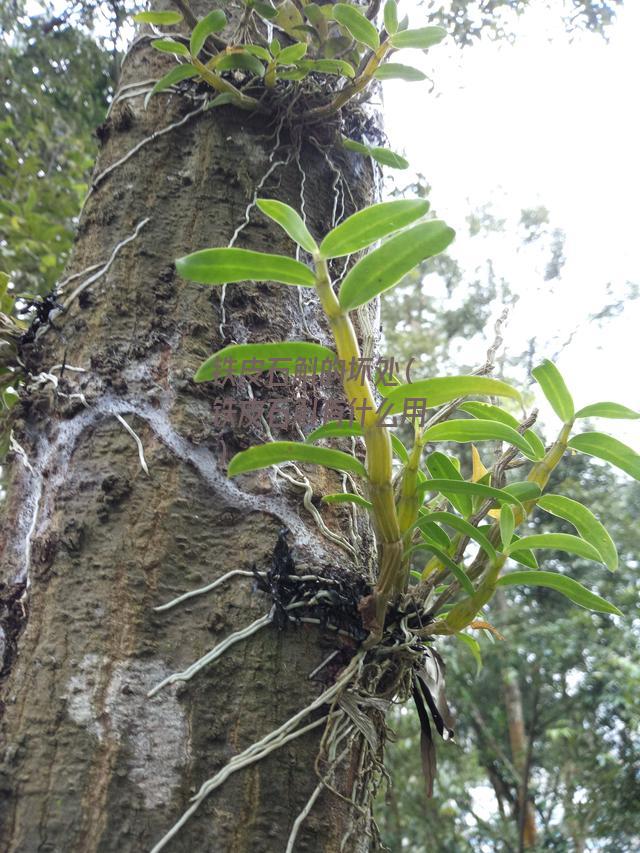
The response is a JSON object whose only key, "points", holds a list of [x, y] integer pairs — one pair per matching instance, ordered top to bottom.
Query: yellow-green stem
{"points": [[377, 440]]}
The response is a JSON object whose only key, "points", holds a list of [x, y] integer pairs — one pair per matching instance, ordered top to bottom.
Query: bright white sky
{"points": [[545, 121]]}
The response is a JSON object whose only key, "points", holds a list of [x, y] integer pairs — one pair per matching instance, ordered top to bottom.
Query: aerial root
{"points": [[136, 438], [214, 653], [284, 734]]}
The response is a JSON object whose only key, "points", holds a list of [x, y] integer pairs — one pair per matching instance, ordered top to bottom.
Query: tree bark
{"points": [[92, 544]]}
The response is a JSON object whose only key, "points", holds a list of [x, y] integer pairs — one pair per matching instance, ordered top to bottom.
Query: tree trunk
{"points": [[92, 544]]}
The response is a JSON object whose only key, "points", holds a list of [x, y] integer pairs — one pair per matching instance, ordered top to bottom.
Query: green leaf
{"points": [[265, 10], [391, 17], [166, 19], [211, 23], [358, 26], [421, 39], [171, 46], [257, 50], [292, 54], [239, 61], [331, 66], [397, 71], [180, 72], [294, 74], [220, 100], [388, 158], [290, 221], [366, 226], [224, 266], [384, 267], [287, 354], [553, 386], [443, 389], [607, 410], [488, 412], [335, 429], [465, 431], [536, 444], [399, 449], [610, 449], [275, 452], [442, 468], [461, 487], [523, 490], [347, 497], [585, 522], [507, 525], [461, 526], [432, 533], [558, 542], [524, 557], [457, 571], [567, 586]]}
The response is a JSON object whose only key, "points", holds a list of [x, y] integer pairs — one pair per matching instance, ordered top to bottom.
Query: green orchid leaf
{"points": [[391, 17], [160, 19], [211, 23], [357, 25], [421, 39], [171, 46], [257, 50], [292, 54], [239, 62], [331, 66], [397, 71], [180, 72], [386, 157], [289, 220], [366, 226], [225, 266], [384, 267], [249, 359], [444, 389], [555, 390], [607, 410], [488, 412], [335, 429], [466, 431], [399, 449], [610, 449], [276, 452], [441, 467], [461, 487], [523, 490], [347, 497], [585, 522], [507, 525], [461, 526], [432, 533], [558, 542], [457, 571], [567, 586], [474, 647]]}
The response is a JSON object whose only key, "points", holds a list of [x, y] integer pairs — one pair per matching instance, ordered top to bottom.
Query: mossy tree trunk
{"points": [[91, 543]]}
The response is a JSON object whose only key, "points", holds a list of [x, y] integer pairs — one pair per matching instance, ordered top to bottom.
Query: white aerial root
{"points": [[155, 135], [105, 267], [136, 438], [19, 450], [204, 589], [215, 653], [274, 740]]}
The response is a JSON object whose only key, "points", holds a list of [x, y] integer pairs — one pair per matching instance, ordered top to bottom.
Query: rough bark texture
{"points": [[88, 763]]}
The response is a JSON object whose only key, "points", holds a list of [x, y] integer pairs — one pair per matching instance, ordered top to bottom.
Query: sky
{"points": [[547, 120]]}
